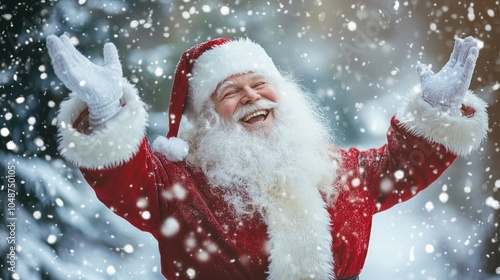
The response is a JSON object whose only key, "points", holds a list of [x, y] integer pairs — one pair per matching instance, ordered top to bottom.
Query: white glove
{"points": [[99, 86], [447, 88]]}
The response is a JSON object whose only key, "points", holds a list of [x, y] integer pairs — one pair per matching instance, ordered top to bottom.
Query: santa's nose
{"points": [[249, 95]]}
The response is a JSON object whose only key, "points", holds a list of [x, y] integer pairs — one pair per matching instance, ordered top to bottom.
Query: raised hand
{"points": [[99, 86], [446, 89]]}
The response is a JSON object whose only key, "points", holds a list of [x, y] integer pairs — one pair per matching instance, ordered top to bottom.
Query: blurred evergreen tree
{"points": [[28, 104]]}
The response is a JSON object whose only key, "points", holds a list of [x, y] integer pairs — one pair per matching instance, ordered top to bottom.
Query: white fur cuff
{"points": [[459, 134], [110, 146]]}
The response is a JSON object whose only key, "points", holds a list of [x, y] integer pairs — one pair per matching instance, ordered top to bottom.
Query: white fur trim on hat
{"points": [[219, 63], [459, 134], [110, 146], [173, 149]]}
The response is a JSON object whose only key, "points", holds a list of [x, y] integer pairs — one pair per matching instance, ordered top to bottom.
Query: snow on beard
{"points": [[254, 169]]}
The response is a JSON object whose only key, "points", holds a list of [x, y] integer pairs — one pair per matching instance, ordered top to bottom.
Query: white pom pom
{"points": [[174, 149]]}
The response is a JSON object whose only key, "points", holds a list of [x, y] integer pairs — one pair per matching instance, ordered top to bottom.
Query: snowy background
{"points": [[357, 56]]}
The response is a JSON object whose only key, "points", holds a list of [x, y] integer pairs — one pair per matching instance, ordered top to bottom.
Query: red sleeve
{"points": [[397, 171], [135, 189]]}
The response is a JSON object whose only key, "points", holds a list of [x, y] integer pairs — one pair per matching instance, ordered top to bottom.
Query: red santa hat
{"points": [[197, 75]]}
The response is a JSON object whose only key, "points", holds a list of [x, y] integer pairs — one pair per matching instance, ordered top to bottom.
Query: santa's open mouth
{"points": [[256, 116]]}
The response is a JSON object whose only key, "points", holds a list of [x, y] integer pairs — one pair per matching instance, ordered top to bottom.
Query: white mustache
{"points": [[259, 105]]}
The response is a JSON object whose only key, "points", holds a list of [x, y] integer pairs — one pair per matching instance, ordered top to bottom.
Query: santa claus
{"points": [[255, 188]]}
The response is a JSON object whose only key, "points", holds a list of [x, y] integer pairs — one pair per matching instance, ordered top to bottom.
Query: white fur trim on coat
{"points": [[219, 63], [459, 134], [110, 146], [299, 229]]}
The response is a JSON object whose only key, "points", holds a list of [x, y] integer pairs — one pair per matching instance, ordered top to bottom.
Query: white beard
{"points": [[255, 169], [285, 173]]}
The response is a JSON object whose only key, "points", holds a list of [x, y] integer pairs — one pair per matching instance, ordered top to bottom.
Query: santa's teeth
{"points": [[254, 114]]}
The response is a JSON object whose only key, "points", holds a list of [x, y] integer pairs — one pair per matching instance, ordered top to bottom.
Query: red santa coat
{"points": [[197, 232]]}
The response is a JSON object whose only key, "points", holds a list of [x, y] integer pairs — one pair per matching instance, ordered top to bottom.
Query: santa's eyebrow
{"points": [[220, 89]]}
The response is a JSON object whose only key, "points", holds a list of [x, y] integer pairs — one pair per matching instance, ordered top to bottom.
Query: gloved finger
{"points": [[468, 43], [54, 46], [58, 49], [71, 49], [455, 53], [111, 58], [69, 60], [471, 62], [61, 65], [60, 68], [65, 71], [423, 71]]}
